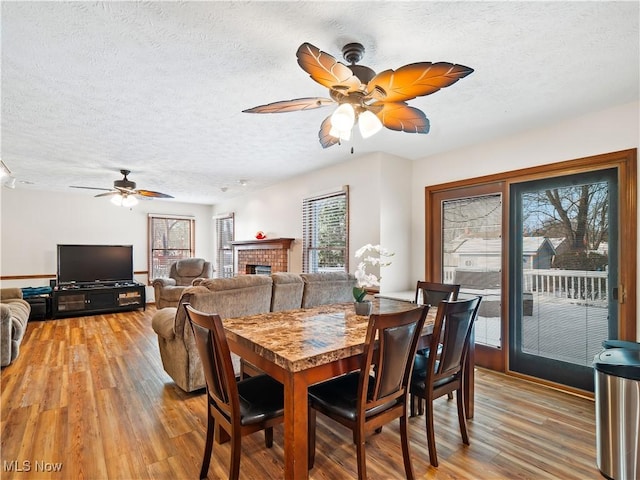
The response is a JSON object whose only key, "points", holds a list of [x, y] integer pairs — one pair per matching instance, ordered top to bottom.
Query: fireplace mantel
{"points": [[266, 243], [268, 252]]}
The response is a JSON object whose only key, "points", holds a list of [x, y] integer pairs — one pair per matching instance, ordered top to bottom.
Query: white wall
{"points": [[597, 133], [378, 200], [34, 222], [395, 223]]}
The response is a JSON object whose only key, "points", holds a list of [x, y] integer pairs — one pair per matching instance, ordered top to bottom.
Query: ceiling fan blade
{"points": [[326, 70], [415, 80], [292, 105], [401, 117], [326, 139], [90, 188], [149, 193], [108, 194]]}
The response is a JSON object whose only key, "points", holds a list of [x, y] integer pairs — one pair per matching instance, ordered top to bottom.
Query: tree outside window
{"points": [[170, 239]]}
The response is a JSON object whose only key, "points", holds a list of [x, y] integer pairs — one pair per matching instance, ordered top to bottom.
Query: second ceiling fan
{"points": [[371, 100], [124, 191]]}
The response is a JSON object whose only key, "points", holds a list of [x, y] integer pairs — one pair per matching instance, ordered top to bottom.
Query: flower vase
{"points": [[363, 308]]}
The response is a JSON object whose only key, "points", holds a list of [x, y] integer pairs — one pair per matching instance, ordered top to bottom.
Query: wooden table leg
{"points": [[295, 427]]}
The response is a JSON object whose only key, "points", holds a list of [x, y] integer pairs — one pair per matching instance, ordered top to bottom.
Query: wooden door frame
{"points": [[625, 161]]}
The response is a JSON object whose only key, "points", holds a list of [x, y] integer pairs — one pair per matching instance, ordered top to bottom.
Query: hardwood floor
{"points": [[88, 398]]}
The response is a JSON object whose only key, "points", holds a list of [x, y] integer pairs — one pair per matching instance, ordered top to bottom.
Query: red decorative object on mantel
{"points": [[260, 235]]}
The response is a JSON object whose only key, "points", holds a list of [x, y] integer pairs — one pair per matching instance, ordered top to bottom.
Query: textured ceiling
{"points": [[159, 87]]}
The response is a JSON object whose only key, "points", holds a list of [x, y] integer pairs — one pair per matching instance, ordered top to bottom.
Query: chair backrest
{"points": [[186, 270], [433, 293], [452, 331], [390, 345], [215, 356]]}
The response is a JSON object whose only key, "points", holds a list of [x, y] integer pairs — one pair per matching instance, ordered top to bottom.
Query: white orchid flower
{"points": [[369, 279]]}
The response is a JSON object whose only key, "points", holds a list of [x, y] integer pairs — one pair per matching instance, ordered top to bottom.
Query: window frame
{"points": [[152, 218], [309, 227], [220, 251]]}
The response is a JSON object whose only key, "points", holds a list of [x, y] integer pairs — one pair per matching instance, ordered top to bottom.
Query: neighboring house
{"points": [[537, 252], [480, 254], [486, 254]]}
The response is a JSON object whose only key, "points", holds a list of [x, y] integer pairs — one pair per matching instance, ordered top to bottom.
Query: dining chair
{"points": [[431, 293], [443, 370], [377, 393], [239, 408]]}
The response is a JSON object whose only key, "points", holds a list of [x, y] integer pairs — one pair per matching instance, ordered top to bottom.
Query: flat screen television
{"points": [[95, 264]]}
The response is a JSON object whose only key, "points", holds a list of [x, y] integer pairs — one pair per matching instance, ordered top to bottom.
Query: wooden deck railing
{"points": [[568, 284]]}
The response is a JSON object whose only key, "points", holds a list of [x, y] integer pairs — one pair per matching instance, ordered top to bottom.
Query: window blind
{"points": [[224, 237], [325, 238]]}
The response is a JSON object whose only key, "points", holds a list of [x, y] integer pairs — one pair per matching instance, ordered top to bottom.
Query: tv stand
{"points": [[73, 299]]}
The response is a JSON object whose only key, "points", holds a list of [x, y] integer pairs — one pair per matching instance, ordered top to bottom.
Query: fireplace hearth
{"points": [[262, 257], [258, 269]]}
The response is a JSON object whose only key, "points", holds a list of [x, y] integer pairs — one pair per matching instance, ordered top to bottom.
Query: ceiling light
{"points": [[343, 118], [368, 124], [341, 134], [124, 200]]}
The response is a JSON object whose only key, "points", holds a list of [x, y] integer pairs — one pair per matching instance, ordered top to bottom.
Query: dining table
{"points": [[305, 346]]}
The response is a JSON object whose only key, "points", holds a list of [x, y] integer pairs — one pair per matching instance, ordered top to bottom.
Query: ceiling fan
{"points": [[364, 97], [124, 191]]}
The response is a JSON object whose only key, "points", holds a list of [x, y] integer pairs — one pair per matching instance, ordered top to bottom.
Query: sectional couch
{"points": [[237, 297], [14, 314]]}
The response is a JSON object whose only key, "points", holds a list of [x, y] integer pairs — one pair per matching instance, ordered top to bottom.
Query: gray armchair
{"points": [[181, 275]]}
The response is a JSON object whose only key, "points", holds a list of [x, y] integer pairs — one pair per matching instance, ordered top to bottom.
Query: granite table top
{"points": [[297, 340]]}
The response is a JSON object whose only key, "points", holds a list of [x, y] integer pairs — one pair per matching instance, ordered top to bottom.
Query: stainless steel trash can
{"points": [[617, 391]]}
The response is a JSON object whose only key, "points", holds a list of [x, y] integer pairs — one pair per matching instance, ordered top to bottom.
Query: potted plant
{"points": [[369, 255]]}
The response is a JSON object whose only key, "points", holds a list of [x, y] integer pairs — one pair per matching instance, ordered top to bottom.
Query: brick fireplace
{"points": [[254, 256]]}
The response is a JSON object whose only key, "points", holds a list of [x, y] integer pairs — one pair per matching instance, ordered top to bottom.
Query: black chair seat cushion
{"points": [[419, 374], [418, 383], [339, 396], [261, 398]]}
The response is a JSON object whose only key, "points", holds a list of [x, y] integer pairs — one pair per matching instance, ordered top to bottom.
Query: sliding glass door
{"points": [[553, 251], [565, 272]]}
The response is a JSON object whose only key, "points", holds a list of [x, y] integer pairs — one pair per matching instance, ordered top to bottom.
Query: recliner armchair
{"points": [[181, 275]]}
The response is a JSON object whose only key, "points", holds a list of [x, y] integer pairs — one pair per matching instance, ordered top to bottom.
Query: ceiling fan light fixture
{"points": [[357, 88], [343, 118], [369, 124], [341, 134], [123, 200]]}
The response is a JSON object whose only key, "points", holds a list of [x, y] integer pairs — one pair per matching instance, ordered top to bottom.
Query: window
{"points": [[325, 237], [170, 239], [224, 249]]}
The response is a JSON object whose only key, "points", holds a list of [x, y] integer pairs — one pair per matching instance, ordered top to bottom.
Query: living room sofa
{"points": [[230, 298], [14, 314]]}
